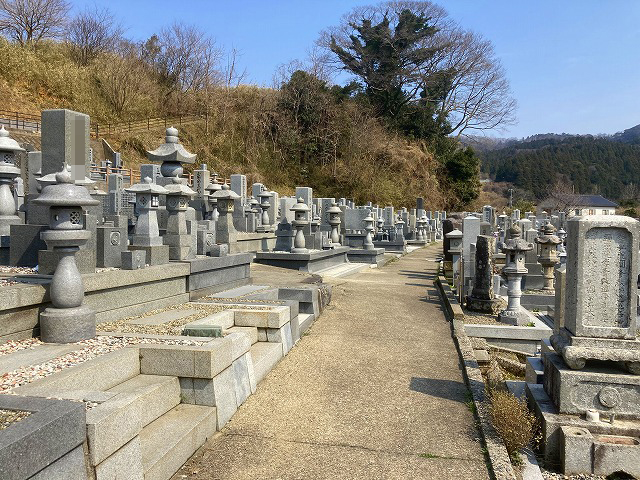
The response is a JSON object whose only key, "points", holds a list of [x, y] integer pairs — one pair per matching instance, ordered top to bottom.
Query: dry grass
{"points": [[513, 420]]}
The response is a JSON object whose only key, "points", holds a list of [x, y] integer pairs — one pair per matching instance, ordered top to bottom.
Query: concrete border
{"points": [[54, 428], [501, 467]]}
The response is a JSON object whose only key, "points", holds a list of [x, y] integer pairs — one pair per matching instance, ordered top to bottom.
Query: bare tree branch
{"points": [[29, 21]]}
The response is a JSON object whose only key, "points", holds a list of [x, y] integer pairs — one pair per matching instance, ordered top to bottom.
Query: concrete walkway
{"points": [[374, 391]]}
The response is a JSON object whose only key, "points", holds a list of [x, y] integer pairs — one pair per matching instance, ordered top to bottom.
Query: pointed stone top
{"points": [[7, 143], [171, 150], [64, 176]]}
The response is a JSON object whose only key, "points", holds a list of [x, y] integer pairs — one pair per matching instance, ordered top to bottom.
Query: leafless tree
{"points": [[29, 21], [92, 32], [186, 58], [121, 77], [478, 97]]}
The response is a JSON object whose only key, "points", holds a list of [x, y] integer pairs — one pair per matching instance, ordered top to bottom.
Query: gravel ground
{"points": [[480, 318], [170, 328], [15, 345], [87, 350], [9, 417], [547, 475]]}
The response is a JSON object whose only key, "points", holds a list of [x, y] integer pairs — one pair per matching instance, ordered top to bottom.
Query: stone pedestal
{"points": [[515, 249]]}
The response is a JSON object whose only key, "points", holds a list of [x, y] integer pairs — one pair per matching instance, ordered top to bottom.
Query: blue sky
{"points": [[573, 65]]}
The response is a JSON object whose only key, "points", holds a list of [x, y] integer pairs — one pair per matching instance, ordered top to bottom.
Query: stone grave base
{"points": [[417, 243], [391, 246], [156, 254], [360, 255], [48, 261], [312, 261], [214, 274], [484, 305], [520, 318], [67, 325], [576, 350], [598, 385], [573, 445]]}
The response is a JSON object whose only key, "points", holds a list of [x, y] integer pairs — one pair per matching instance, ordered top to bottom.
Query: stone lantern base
{"points": [[484, 305], [520, 318], [67, 325]]}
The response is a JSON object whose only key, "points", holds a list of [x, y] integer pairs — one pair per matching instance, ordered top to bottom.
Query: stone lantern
{"points": [[172, 155], [8, 173], [211, 189], [264, 196], [256, 210], [301, 220], [334, 220], [368, 226], [399, 227], [225, 229], [419, 230], [147, 233], [177, 237], [455, 250], [548, 254], [514, 269], [68, 320]]}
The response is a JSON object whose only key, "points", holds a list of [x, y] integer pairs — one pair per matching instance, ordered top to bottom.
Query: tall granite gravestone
{"points": [[65, 139], [470, 231], [602, 271], [483, 298], [589, 402]]}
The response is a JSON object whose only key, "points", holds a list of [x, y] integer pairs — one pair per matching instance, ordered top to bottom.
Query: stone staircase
{"points": [[149, 407]]}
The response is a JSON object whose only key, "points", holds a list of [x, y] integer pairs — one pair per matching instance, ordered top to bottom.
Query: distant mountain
{"points": [[630, 135], [588, 164]]}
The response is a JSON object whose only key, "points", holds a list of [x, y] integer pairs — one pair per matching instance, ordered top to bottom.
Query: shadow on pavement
{"points": [[448, 389]]}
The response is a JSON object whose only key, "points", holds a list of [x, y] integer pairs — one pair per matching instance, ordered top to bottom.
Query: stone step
{"points": [[343, 270], [239, 291], [305, 320], [251, 332], [34, 356], [265, 356], [534, 372], [99, 374], [133, 405], [168, 442]]}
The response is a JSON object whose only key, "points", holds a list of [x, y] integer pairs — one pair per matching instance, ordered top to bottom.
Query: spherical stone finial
{"points": [[3, 132], [171, 135], [64, 176], [175, 179], [147, 180], [225, 187], [300, 200], [548, 229], [515, 231]]}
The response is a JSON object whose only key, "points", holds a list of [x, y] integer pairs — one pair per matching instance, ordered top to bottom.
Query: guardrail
{"points": [[19, 120]]}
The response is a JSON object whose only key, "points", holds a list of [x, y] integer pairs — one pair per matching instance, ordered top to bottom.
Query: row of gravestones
{"points": [[194, 228]]}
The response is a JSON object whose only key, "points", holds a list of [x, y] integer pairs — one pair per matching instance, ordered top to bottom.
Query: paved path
{"points": [[374, 391]]}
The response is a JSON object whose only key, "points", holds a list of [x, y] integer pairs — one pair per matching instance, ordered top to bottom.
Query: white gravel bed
{"points": [[18, 270], [170, 328], [15, 345], [87, 350]]}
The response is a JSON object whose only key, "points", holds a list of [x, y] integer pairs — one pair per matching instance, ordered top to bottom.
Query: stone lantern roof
{"points": [[8, 144], [9, 147], [172, 150], [147, 186], [214, 186], [179, 188], [64, 193], [225, 193], [300, 206], [334, 208], [454, 234], [548, 236], [516, 243]]}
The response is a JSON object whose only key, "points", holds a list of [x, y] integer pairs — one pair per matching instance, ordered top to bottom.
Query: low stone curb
{"points": [[499, 459]]}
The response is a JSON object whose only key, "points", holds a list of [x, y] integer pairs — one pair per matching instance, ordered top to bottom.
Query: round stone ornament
{"points": [[609, 397]]}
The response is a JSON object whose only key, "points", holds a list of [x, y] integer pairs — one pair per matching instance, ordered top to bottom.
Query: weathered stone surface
{"points": [[603, 388], [128, 459]]}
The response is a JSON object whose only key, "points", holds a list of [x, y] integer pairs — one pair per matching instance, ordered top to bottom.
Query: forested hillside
{"points": [[388, 133], [584, 164]]}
